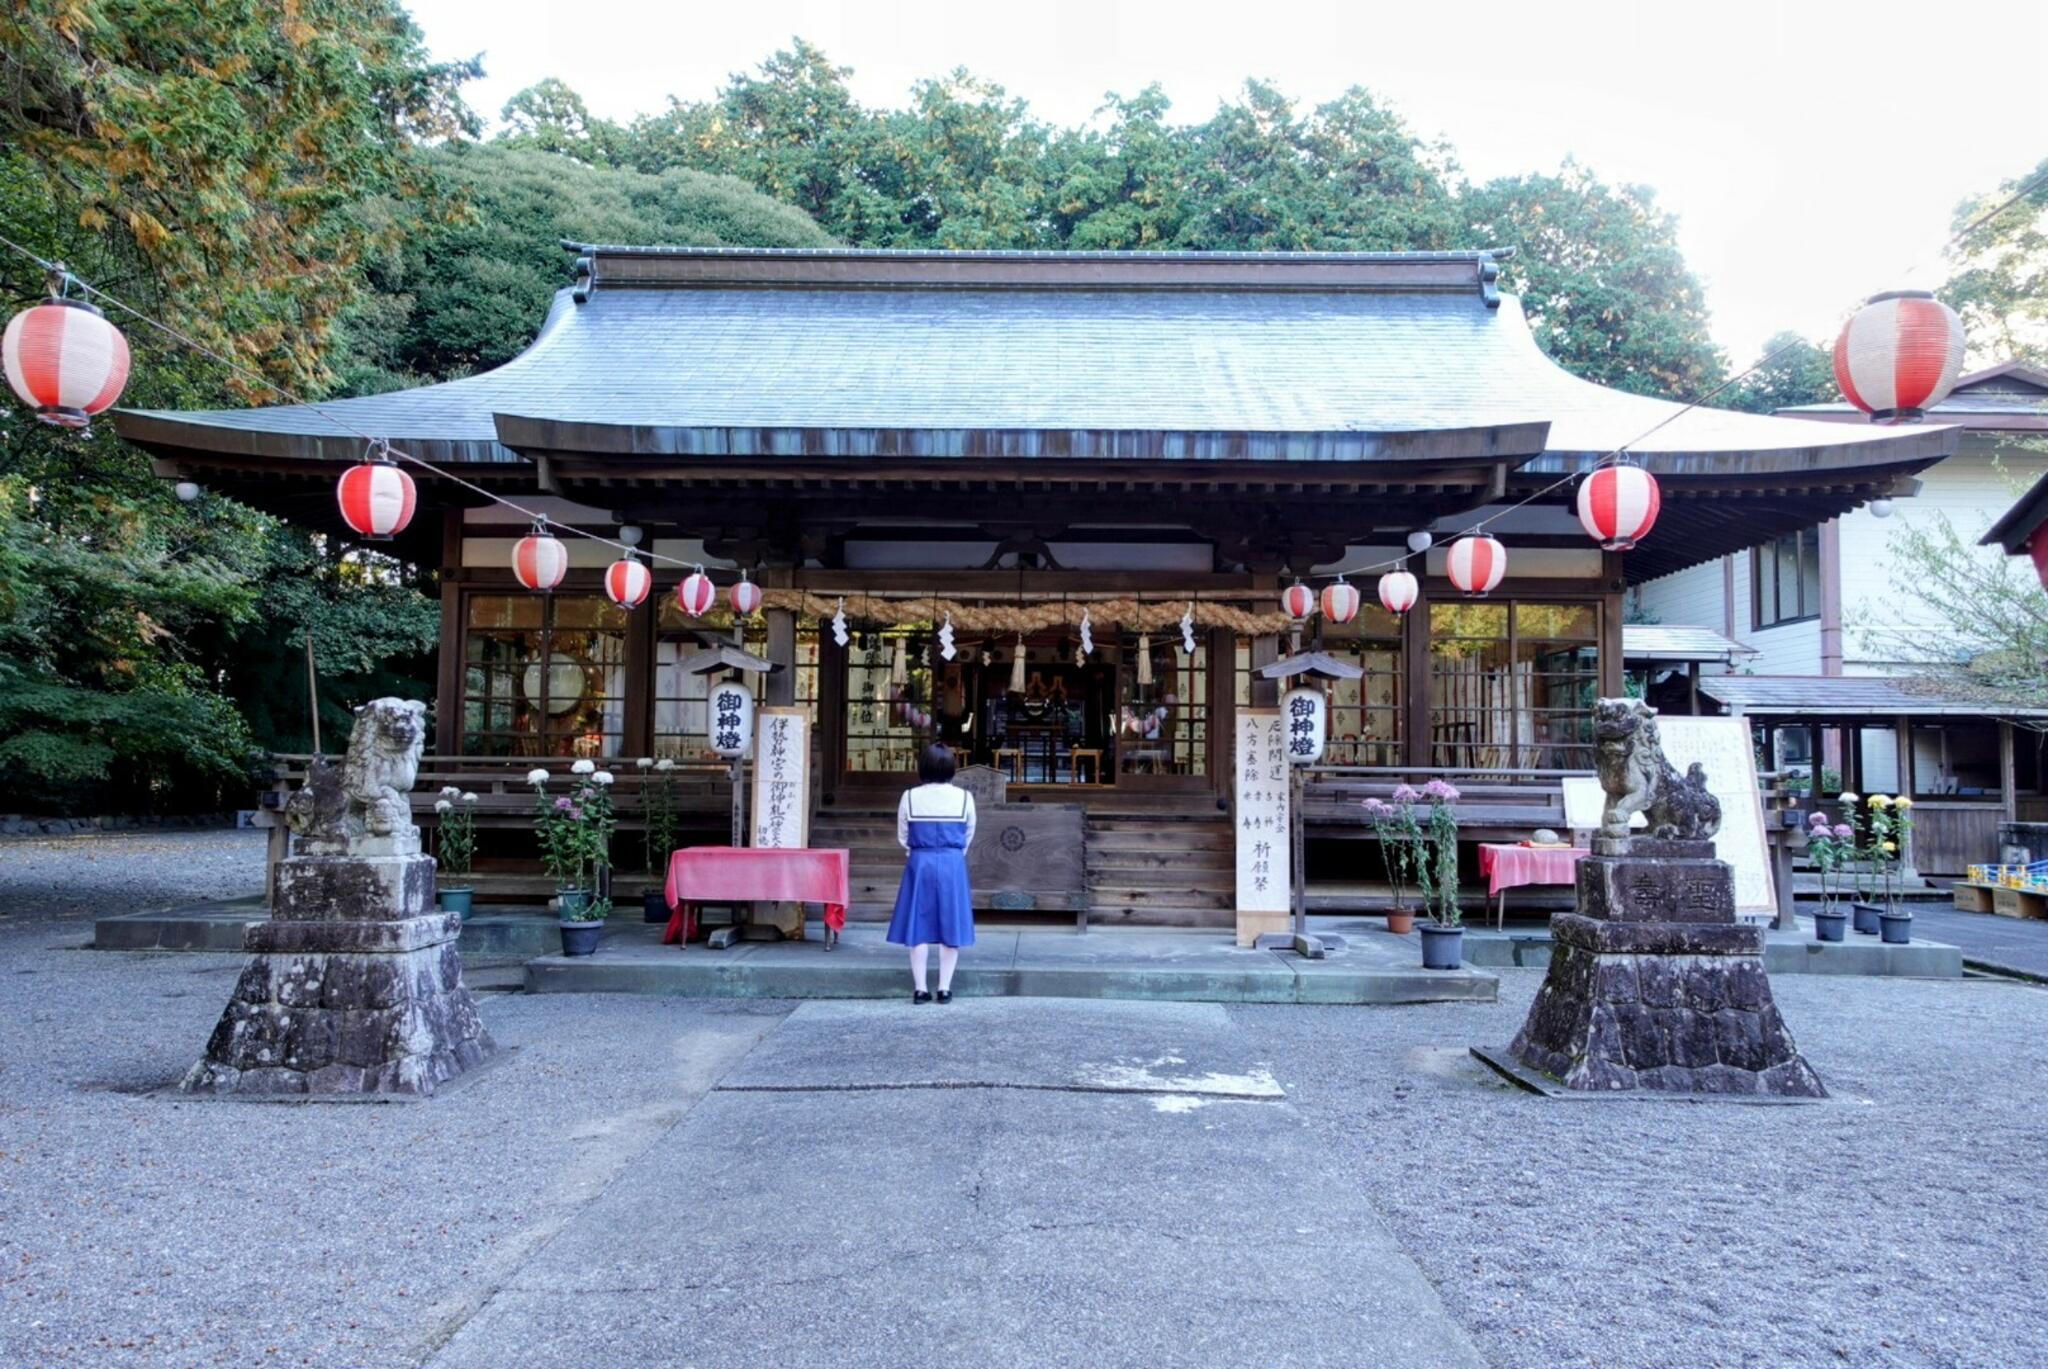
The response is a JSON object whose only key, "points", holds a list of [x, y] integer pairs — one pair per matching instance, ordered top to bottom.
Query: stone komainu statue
{"points": [[1638, 779], [361, 806]]}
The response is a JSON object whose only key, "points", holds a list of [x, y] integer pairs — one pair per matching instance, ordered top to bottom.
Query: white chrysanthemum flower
{"points": [[645, 762], [665, 763], [582, 767], [536, 777], [602, 777], [449, 791], [469, 798], [443, 806]]}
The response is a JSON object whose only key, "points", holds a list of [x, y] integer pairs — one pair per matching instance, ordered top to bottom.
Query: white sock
{"points": [[918, 955], [949, 956]]}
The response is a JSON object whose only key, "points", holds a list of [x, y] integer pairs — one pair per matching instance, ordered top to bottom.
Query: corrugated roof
{"points": [[1289, 344], [1657, 642], [1843, 696]]}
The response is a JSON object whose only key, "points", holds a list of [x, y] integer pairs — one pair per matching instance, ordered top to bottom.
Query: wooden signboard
{"points": [[1722, 747], [782, 779], [1262, 820], [1030, 856]]}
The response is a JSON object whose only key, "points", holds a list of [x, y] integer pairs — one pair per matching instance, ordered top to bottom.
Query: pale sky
{"points": [[1812, 151]]}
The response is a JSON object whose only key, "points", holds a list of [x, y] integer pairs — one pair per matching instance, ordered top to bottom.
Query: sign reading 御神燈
{"points": [[730, 714]]}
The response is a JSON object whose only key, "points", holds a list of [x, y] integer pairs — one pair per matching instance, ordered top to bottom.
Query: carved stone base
{"points": [[337, 1000], [1674, 1007]]}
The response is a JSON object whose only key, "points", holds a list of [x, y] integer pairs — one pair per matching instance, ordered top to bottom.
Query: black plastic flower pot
{"points": [[457, 899], [654, 906], [1866, 918], [1830, 924], [1895, 929], [581, 938], [1443, 948]]}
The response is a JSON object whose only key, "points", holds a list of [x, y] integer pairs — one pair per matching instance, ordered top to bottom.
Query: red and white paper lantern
{"points": [[1899, 355], [65, 361], [376, 500], [1618, 506], [539, 561], [1476, 564], [627, 582], [1398, 592], [696, 594], [746, 597], [1299, 601], [1340, 602]]}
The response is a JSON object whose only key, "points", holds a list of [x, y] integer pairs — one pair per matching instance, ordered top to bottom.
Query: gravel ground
{"points": [[129, 872], [1898, 1225], [139, 1228]]}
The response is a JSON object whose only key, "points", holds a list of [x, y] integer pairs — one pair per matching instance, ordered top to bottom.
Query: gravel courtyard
{"points": [[552, 1209]]}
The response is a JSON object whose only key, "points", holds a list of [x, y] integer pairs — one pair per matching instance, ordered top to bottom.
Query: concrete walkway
{"points": [[1125, 962], [999, 1181]]}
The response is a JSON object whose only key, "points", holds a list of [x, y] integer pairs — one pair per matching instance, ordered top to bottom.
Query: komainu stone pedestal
{"points": [[355, 983], [1654, 985], [354, 987]]}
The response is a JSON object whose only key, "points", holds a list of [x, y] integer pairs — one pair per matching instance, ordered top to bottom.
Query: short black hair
{"points": [[935, 766]]}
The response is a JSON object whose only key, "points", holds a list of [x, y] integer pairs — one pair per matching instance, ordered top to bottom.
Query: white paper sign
{"points": [[1722, 747], [782, 780], [1585, 805], [1264, 880]]}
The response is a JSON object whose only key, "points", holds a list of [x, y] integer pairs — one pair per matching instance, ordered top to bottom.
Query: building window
{"points": [[1784, 579], [543, 675], [1512, 685], [1365, 714], [681, 727]]}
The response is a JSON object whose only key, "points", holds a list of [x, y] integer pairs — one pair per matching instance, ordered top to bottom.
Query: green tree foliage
{"points": [[222, 147], [966, 165], [1600, 275], [1998, 279], [454, 297], [1794, 371]]}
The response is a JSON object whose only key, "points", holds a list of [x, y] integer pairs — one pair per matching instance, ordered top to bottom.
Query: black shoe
{"points": [[945, 995], [920, 996]]}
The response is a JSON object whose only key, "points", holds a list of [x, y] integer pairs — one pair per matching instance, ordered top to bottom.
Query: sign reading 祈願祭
{"points": [[782, 780], [1264, 876]]}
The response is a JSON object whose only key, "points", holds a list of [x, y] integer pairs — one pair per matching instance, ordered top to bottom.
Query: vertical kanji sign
{"points": [[729, 716], [782, 779], [1261, 816]]}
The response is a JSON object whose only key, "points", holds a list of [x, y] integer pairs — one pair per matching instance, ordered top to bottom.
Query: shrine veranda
{"points": [[1015, 445]]}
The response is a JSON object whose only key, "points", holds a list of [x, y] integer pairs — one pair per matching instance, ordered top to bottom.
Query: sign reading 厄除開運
{"points": [[1261, 817]]}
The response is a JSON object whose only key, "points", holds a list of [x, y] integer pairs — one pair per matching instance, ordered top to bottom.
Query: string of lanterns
{"points": [[1897, 356]]}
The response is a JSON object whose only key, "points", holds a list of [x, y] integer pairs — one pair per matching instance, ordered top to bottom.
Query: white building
{"points": [[1840, 635]]}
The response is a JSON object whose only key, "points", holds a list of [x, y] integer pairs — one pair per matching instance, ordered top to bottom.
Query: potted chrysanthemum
{"points": [[658, 804], [1891, 823], [575, 832], [1830, 844], [1400, 848], [454, 849], [1860, 857], [1443, 936]]}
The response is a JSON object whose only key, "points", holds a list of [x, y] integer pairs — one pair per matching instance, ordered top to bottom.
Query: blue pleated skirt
{"points": [[934, 903]]}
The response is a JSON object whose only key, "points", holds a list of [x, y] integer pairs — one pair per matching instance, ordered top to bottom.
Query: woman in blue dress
{"points": [[935, 824]]}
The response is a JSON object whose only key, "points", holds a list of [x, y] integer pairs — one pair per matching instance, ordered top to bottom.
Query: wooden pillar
{"points": [[781, 624], [1265, 651], [1612, 664], [448, 672], [1415, 678], [640, 681], [1692, 687], [1222, 706], [831, 713], [1904, 731], [2008, 773]]}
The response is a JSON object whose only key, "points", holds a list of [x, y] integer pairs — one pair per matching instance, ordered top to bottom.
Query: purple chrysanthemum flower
{"points": [[1440, 791], [1404, 794], [562, 805], [1375, 809], [1817, 819], [1844, 831]]}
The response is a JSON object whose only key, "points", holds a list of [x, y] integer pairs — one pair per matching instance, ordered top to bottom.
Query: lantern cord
{"points": [[1612, 457]]}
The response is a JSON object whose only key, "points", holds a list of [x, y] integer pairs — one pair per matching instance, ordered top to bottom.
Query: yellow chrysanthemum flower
{"points": [[1879, 801], [1903, 802], [1890, 848]]}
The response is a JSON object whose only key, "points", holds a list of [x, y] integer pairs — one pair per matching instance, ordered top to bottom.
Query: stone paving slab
{"points": [[1122, 963], [1176, 1048], [1004, 1226]]}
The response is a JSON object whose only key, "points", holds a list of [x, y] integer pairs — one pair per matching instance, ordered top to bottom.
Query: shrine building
{"points": [[1162, 441]]}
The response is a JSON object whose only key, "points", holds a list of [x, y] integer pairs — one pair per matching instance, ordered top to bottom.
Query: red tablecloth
{"points": [[1510, 867], [724, 874]]}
